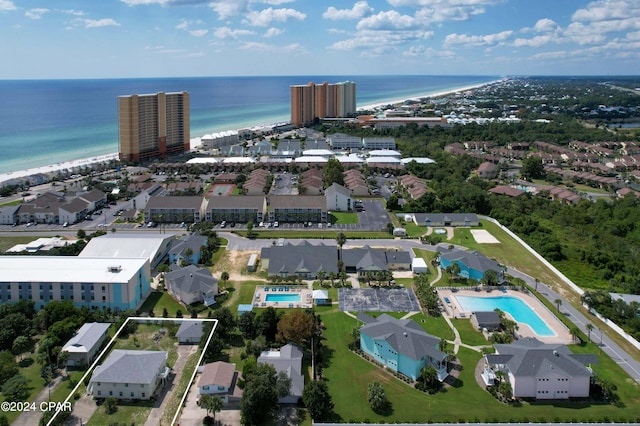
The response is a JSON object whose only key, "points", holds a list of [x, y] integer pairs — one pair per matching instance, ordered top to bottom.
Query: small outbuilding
{"points": [[399, 232], [253, 263], [419, 266], [321, 297], [243, 308], [489, 320], [189, 332]]}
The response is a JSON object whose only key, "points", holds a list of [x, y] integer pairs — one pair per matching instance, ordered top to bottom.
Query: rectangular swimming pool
{"points": [[272, 297], [518, 309]]}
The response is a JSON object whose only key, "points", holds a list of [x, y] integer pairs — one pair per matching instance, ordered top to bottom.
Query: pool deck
{"points": [[259, 296], [453, 309]]}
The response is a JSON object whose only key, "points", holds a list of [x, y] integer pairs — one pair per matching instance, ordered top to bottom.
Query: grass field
{"points": [[344, 217], [7, 242], [160, 300], [468, 334], [348, 376], [128, 413]]}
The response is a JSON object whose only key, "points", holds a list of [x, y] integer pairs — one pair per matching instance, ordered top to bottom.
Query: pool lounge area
{"points": [[282, 297], [533, 317]]}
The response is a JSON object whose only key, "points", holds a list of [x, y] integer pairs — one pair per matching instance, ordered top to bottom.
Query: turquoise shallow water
{"points": [[49, 121], [271, 297], [520, 311]]}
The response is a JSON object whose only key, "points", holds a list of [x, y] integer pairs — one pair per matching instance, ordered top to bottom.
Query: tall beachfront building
{"points": [[312, 101], [154, 125]]}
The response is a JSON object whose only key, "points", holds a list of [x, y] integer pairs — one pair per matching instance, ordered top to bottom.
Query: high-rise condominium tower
{"points": [[322, 101], [153, 126]]}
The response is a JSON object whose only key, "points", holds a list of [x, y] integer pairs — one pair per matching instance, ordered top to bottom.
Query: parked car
{"points": [[223, 224], [276, 224]]}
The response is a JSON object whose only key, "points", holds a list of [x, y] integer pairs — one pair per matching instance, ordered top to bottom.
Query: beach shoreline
{"points": [[194, 141]]}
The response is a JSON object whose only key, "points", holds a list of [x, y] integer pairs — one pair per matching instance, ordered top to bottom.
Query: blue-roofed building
{"points": [[244, 308], [401, 345]]}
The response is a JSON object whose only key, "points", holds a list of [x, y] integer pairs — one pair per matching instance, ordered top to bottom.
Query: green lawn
{"points": [[343, 217], [7, 242], [428, 256], [158, 301], [436, 326], [468, 334], [143, 340], [31, 371], [348, 376], [65, 387], [127, 413]]}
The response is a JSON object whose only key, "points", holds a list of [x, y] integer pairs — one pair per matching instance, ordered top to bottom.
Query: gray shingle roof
{"points": [[193, 242], [301, 258], [372, 259], [473, 260], [190, 279], [189, 329], [405, 336], [86, 337], [532, 358], [289, 360], [137, 367]]}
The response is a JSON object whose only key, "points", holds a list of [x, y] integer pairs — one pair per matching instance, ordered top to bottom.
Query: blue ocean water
{"points": [[49, 121]]}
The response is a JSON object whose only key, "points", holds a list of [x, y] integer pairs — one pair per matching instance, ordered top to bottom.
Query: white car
{"points": [[275, 224], [261, 225]]}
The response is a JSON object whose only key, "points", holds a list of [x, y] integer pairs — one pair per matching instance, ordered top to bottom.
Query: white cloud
{"points": [[143, 2], [7, 5], [229, 8], [447, 10], [606, 10], [358, 11], [73, 12], [36, 13], [266, 16], [386, 21], [97, 23], [184, 25], [545, 25], [226, 32], [273, 32], [198, 33], [633, 36], [371, 40], [476, 40], [536, 41], [294, 48], [428, 52]]}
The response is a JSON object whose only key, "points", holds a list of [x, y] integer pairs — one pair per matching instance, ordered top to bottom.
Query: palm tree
{"points": [[341, 239], [321, 275], [342, 276], [224, 277], [332, 277], [537, 284], [558, 303], [589, 328], [574, 331]]}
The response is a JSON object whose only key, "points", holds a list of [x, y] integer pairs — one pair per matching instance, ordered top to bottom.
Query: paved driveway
{"points": [[192, 414]]}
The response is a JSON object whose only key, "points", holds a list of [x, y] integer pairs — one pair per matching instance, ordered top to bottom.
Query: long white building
{"points": [[119, 284]]}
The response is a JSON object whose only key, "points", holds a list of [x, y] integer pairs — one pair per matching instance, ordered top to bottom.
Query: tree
{"points": [[532, 168], [332, 173], [390, 228], [250, 233], [81, 234], [341, 239], [188, 253], [321, 275], [224, 277], [490, 277], [558, 303], [226, 322], [267, 323], [247, 325], [296, 327], [589, 330], [575, 332], [21, 345], [214, 350], [8, 366], [428, 378], [283, 384], [16, 388], [505, 389], [377, 397], [260, 398], [317, 399], [212, 404], [110, 405]]}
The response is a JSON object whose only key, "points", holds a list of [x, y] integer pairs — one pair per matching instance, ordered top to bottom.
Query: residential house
{"points": [[379, 143], [288, 148], [488, 170], [225, 178], [508, 191], [338, 198], [248, 208], [188, 209], [73, 211], [9, 215], [446, 219], [187, 248], [303, 260], [473, 265], [191, 285], [190, 331], [85, 343], [401, 345], [288, 359], [541, 371], [128, 374], [221, 379]]}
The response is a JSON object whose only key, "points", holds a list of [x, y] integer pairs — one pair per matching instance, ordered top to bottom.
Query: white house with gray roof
{"points": [[446, 219], [191, 285], [85, 344], [288, 359], [541, 371], [129, 374]]}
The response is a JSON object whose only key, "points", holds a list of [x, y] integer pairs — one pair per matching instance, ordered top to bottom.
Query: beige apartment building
{"points": [[312, 101], [153, 126]]}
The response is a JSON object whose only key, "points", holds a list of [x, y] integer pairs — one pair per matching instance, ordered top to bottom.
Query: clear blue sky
{"points": [[157, 38]]}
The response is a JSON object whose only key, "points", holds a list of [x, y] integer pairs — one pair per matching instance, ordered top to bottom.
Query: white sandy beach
{"points": [[195, 141]]}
